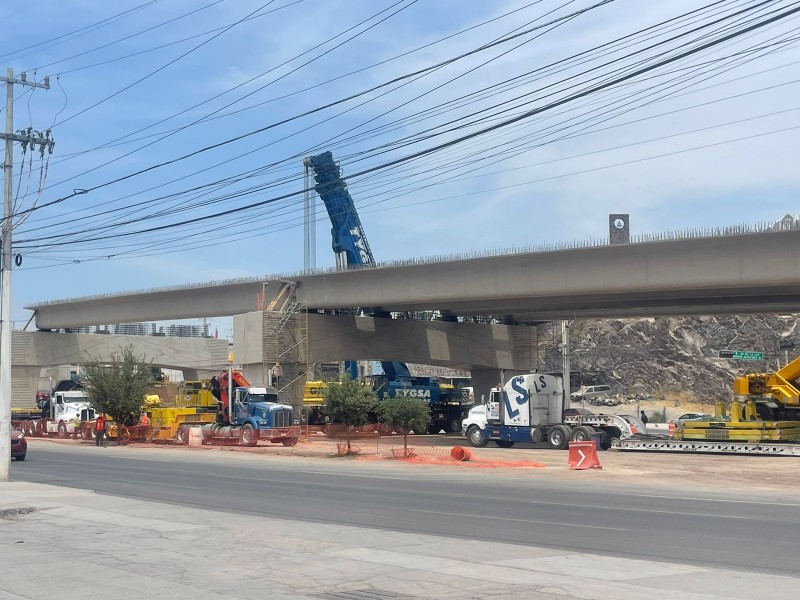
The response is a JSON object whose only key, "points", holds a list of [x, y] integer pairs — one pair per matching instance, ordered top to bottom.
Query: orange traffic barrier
{"points": [[671, 428], [460, 453], [583, 455]]}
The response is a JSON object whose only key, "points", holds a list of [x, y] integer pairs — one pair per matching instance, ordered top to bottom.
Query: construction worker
{"points": [[277, 373], [144, 420], [76, 425], [100, 431]]}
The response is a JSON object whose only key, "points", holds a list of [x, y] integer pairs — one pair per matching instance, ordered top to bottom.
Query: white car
{"points": [[586, 392]]}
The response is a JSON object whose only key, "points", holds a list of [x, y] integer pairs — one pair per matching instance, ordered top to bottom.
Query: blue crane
{"points": [[349, 239], [349, 242]]}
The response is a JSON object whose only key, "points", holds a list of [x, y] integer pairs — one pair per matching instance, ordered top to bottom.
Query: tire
{"points": [[454, 426], [62, 429], [420, 431], [582, 433], [182, 435], [248, 436], [475, 437], [558, 437], [289, 441], [504, 443]]}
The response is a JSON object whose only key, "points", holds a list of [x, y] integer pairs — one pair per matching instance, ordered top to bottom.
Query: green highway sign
{"points": [[741, 354]]}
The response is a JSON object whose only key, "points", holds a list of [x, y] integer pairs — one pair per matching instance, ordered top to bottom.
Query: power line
{"points": [[161, 68]]}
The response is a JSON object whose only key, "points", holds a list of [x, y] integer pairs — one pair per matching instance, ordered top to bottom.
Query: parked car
{"points": [[590, 391], [576, 412], [692, 417], [19, 445]]}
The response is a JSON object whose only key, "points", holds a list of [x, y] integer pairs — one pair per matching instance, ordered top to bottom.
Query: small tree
{"points": [[118, 387], [349, 402], [405, 413]]}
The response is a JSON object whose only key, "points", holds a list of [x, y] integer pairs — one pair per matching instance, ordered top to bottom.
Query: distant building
{"points": [[786, 223]]}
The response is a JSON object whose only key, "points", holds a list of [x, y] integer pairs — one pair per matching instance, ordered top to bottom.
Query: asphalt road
{"points": [[743, 532]]}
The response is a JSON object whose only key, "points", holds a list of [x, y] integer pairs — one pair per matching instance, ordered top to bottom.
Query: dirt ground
{"points": [[716, 473]]}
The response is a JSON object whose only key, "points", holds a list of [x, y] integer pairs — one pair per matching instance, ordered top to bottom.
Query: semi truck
{"points": [[531, 408], [254, 414], [58, 416]]}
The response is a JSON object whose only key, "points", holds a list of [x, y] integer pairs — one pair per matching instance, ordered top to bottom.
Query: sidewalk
{"points": [[74, 538]]}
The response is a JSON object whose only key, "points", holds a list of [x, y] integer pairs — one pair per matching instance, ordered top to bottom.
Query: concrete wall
{"points": [[33, 350]]}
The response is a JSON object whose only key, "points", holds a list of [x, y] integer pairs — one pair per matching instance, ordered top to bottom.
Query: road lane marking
{"points": [[136, 458], [356, 475], [156, 484], [717, 500], [643, 510], [436, 512]]}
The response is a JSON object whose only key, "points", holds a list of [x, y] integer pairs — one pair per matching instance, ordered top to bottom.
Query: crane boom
{"points": [[349, 238]]}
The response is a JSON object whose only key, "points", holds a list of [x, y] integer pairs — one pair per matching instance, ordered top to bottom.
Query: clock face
{"points": [[619, 223]]}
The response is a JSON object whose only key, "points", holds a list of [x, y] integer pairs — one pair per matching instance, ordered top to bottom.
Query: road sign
{"points": [[741, 354], [583, 455]]}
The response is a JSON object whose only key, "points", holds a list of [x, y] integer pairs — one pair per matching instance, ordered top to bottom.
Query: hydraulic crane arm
{"points": [[349, 238]]}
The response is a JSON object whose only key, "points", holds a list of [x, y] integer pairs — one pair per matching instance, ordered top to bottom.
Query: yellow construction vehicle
{"points": [[313, 401], [763, 418]]}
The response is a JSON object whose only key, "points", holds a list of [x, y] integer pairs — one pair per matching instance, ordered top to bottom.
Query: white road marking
{"points": [[135, 458], [356, 475], [157, 484], [717, 500], [642, 510], [436, 512]]}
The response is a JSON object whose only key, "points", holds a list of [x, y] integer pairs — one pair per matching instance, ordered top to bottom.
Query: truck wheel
{"points": [[454, 426], [62, 429], [583, 433], [248, 435], [182, 436], [475, 437], [558, 437], [289, 441], [504, 443]]}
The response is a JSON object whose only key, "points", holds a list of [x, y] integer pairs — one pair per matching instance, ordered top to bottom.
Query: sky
{"points": [[176, 115]]}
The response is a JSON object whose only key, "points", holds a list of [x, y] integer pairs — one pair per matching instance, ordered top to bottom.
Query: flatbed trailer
{"points": [[661, 444]]}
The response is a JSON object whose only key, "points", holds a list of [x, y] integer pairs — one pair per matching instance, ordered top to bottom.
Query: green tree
{"points": [[118, 387], [349, 402], [405, 413]]}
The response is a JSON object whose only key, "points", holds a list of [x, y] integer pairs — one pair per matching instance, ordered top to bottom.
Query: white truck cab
{"points": [[64, 407]]}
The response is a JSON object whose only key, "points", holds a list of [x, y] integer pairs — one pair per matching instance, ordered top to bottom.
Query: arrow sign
{"points": [[583, 458]]}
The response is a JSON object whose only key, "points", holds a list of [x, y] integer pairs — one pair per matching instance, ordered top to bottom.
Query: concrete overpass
{"points": [[748, 273], [30, 351]]}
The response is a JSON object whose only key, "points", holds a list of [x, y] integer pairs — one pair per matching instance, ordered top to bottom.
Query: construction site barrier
{"points": [[583, 455]]}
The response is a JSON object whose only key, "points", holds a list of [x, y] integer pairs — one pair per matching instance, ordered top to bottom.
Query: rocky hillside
{"points": [[676, 354]]}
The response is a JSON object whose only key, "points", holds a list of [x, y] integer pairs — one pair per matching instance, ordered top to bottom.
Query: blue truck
{"points": [[255, 414]]}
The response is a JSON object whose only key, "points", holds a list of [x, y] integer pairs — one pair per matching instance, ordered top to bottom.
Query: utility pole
{"points": [[31, 138], [566, 368]]}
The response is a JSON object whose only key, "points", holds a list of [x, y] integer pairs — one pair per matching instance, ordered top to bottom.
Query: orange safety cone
{"points": [[671, 428], [583, 455]]}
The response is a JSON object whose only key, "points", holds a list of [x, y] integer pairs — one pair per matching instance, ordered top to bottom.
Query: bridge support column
{"points": [[483, 380]]}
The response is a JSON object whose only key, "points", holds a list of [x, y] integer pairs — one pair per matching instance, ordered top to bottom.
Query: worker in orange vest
{"points": [[144, 420], [100, 431]]}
